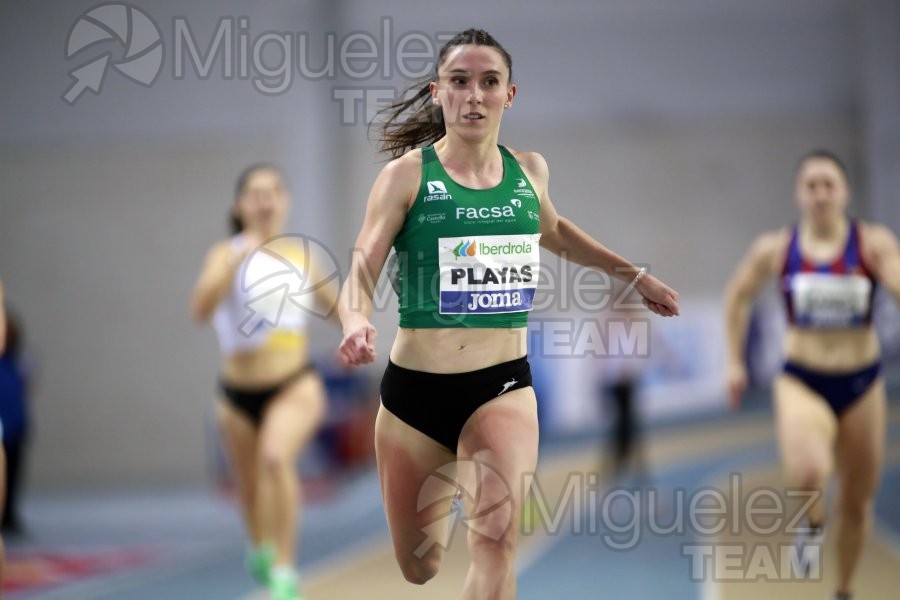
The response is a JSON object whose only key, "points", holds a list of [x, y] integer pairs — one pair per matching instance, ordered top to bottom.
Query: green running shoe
{"points": [[258, 561], [284, 584]]}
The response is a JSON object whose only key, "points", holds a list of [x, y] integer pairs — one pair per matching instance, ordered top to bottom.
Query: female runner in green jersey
{"points": [[465, 217]]}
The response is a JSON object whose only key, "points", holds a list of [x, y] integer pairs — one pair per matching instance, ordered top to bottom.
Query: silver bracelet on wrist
{"points": [[638, 277]]}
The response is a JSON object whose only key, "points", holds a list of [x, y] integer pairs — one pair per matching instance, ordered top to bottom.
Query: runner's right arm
{"points": [[389, 201]]}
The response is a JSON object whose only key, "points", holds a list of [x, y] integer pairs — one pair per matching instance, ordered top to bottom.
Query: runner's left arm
{"points": [[565, 239], [885, 258]]}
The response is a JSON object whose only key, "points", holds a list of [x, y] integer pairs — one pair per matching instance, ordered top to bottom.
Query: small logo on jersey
{"points": [[522, 188], [436, 191], [516, 202], [533, 216], [432, 218], [466, 248], [507, 385]]}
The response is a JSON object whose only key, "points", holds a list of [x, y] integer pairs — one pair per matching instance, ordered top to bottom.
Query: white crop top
{"points": [[267, 296]]}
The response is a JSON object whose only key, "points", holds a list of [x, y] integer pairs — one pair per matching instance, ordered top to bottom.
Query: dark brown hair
{"points": [[401, 132], [822, 153]]}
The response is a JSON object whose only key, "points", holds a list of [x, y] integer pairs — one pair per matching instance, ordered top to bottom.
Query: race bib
{"points": [[488, 274], [825, 300]]}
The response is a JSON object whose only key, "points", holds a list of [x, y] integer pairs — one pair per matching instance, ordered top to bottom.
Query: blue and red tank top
{"points": [[831, 295]]}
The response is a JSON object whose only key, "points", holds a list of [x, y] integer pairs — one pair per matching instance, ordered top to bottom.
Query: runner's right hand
{"points": [[358, 346]]}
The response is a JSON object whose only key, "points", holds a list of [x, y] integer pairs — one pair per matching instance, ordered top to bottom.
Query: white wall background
{"points": [[671, 130]]}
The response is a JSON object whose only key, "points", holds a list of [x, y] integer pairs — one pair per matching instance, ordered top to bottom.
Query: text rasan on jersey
{"points": [[437, 190]]}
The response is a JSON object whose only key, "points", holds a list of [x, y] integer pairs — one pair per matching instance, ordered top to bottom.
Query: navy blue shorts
{"points": [[839, 391]]}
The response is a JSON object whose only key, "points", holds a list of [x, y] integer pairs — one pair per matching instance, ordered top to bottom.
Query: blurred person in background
{"points": [[2, 319], [15, 376], [618, 392], [272, 398], [830, 402], [2, 453]]}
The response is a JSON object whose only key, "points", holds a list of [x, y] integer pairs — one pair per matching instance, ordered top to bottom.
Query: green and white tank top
{"points": [[465, 257]]}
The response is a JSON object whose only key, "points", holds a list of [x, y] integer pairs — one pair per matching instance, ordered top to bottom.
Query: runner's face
{"points": [[473, 89], [821, 189], [263, 203]]}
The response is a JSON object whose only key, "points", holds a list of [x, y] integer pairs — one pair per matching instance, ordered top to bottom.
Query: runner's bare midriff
{"points": [[457, 350], [836, 351], [265, 366]]}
